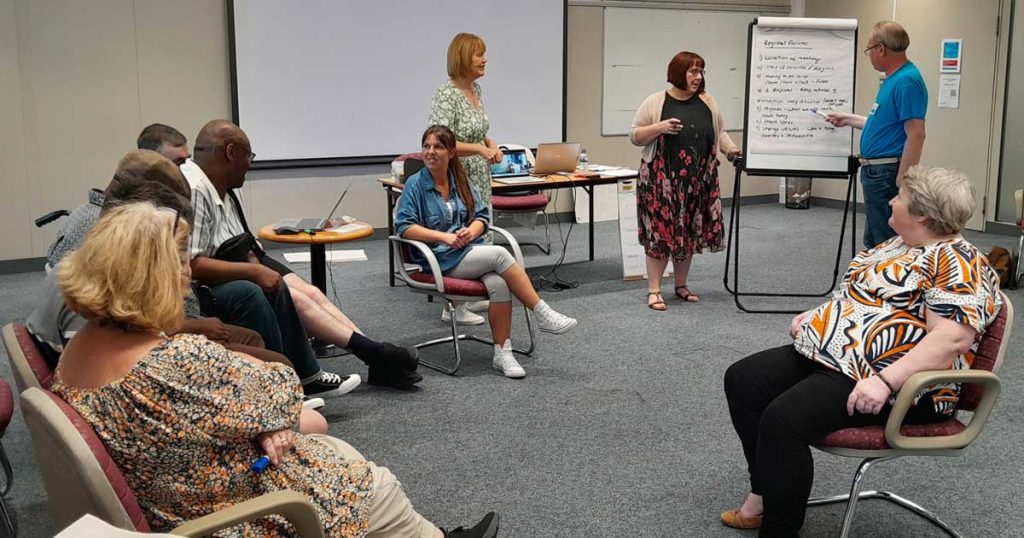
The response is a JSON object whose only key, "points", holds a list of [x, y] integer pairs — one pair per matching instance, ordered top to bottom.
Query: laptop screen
{"points": [[514, 163]]}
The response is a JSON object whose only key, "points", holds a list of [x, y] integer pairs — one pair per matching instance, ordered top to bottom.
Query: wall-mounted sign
{"points": [[951, 52]]}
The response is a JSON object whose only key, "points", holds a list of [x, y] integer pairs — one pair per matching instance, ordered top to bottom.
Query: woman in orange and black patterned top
{"points": [[919, 301], [183, 418]]}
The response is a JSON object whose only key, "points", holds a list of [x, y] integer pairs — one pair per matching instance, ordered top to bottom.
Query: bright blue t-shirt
{"points": [[903, 96]]}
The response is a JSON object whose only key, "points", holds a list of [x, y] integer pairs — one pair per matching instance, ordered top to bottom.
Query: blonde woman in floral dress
{"points": [[458, 106], [184, 418]]}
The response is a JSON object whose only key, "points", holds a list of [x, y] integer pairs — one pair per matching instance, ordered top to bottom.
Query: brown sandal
{"points": [[689, 296], [658, 305], [733, 519]]}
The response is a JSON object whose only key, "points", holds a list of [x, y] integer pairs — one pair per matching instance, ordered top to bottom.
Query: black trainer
{"points": [[330, 384], [487, 528]]}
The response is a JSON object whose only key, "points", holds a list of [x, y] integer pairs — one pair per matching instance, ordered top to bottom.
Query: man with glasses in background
{"points": [[893, 132], [222, 157]]}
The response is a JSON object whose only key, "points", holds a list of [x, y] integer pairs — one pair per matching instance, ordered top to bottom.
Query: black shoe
{"points": [[402, 358], [381, 376], [329, 384], [487, 528]]}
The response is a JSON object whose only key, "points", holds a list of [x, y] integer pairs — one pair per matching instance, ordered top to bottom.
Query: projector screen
{"points": [[351, 80]]}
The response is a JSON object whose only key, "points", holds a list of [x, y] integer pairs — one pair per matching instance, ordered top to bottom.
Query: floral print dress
{"points": [[452, 109], [679, 207], [182, 423]]}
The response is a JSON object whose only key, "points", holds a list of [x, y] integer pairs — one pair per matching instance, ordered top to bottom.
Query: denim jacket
{"points": [[421, 204]]}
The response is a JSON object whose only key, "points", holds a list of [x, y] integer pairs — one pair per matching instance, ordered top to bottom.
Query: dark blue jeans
{"points": [[879, 182], [273, 315]]}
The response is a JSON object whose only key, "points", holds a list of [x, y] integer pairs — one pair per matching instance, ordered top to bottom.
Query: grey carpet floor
{"points": [[620, 427]]}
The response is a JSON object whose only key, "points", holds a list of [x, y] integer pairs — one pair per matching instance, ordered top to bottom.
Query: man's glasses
{"points": [[867, 51], [203, 149]]}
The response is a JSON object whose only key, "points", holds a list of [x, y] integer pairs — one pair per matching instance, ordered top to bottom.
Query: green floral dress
{"points": [[451, 109], [182, 423]]}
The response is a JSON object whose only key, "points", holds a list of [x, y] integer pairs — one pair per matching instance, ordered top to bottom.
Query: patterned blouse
{"points": [[451, 109], [880, 310], [182, 423]]}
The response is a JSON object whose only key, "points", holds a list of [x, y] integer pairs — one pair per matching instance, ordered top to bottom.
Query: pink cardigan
{"points": [[650, 113]]}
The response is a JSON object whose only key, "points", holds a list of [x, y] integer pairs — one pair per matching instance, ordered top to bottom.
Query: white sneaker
{"points": [[478, 306], [462, 316], [552, 322], [506, 362], [312, 403]]}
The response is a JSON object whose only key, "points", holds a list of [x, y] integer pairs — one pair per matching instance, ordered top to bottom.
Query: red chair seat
{"points": [[520, 203], [454, 286], [35, 359], [6, 406], [873, 437]]}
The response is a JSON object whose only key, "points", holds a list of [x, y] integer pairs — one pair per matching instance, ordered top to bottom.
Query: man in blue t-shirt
{"points": [[893, 132]]}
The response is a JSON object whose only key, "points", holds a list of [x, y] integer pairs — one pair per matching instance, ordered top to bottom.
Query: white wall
{"points": [[78, 80], [956, 138]]}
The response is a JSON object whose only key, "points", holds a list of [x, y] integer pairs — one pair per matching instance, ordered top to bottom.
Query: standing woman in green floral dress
{"points": [[458, 105]]}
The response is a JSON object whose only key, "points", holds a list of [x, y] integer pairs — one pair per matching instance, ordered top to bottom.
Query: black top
{"points": [[697, 136]]}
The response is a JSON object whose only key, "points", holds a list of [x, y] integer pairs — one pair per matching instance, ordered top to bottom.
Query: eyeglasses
{"points": [[867, 51], [696, 71], [203, 149], [252, 156], [177, 219]]}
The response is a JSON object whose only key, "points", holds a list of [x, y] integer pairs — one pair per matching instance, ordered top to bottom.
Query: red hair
{"points": [[680, 64]]}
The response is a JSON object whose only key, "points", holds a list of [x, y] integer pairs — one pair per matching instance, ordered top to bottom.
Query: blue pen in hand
{"points": [[259, 465]]}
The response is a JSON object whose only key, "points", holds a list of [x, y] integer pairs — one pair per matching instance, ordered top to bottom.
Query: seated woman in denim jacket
{"points": [[441, 209]]}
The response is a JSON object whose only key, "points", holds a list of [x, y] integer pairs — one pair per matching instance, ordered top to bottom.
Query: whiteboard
{"points": [[639, 43], [799, 66], [355, 78]]}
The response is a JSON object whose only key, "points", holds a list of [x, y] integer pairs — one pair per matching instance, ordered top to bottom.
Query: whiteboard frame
{"points": [[611, 129], [319, 162], [819, 166]]}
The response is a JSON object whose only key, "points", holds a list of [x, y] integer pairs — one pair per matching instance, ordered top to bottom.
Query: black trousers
{"points": [[780, 403]]}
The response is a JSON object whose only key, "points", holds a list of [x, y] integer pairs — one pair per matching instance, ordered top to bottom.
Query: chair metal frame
{"points": [[546, 248], [1018, 268], [436, 290], [949, 445]]}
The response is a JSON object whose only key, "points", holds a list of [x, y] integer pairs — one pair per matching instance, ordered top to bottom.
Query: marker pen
{"points": [[259, 465]]}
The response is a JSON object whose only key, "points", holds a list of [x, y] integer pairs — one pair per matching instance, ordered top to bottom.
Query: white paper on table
{"points": [[949, 91], [620, 172], [346, 228], [358, 255]]}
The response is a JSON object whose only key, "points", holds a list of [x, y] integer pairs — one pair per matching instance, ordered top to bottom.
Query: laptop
{"points": [[553, 158], [514, 164], [294, 226]]}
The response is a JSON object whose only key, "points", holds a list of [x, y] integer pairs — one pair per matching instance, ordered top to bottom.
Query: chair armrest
{"points": [[516, 251], [435, 268], [916, 383], [294, 506]]}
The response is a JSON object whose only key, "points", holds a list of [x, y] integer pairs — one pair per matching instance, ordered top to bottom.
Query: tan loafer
{"points": [[732, 518]]}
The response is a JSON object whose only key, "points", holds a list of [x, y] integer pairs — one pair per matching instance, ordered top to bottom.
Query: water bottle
{"points": [[584, 161]]}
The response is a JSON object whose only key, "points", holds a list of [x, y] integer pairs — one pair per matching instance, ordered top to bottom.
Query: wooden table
{"points": [[393, 190], [316, 242]]}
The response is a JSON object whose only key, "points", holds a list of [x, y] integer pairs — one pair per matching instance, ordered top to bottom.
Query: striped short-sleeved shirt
{"points": [[216, 219]]}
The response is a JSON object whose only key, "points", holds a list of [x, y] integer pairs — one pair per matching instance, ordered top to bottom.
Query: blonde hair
{"points": [[892, 35], [460, 53], [944, 197], [128, 272]]}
